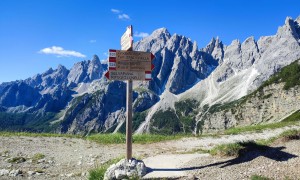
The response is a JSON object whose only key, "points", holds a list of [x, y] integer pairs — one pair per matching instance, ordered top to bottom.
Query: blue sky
{"points": [[38, 34]]}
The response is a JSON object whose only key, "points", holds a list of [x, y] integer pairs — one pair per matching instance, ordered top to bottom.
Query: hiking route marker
{"points": [[129, 65]]}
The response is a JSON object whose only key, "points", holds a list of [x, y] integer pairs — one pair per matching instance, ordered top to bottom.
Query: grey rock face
{"points": [[214, 51], [178, 63], [245, 66], [85, 71], [49, 79], [19, 94], [144, 101], [270, 105], [93, 112]]}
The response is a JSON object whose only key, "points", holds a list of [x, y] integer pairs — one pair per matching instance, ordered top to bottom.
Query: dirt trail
{"points": [[71, 158]]}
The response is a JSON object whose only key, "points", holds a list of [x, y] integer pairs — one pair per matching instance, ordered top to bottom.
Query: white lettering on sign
{"points": [[112, 54], [133, 61], [112, 64], [126, 75]]}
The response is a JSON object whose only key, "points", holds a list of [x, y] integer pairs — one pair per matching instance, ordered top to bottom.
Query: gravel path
{"points": [[72, 158]]}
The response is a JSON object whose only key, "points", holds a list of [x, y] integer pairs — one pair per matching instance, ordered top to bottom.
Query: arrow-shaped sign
{"points": [[129, 75]]}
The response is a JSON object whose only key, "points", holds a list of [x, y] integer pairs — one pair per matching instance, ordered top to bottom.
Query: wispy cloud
{"points": [[117, 11], [121, 15], [141, 34], [93, 41], [59, 51], [105, 59]]}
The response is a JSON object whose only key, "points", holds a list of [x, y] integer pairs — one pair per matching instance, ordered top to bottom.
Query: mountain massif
{"points": [[193, 90]]}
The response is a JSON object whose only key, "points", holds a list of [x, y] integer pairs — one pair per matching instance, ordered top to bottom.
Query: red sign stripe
{"points": [[112, 50], [112, 59]]}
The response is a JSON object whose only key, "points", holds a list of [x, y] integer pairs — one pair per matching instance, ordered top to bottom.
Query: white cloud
{"points": [[115, 11], [121, 15], [124, 17], [141, 34], [93, 41], [59, 51], [104, 61]]}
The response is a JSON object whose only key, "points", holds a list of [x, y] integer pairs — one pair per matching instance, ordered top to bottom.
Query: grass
{"points": [[291, 120], [29, 134], [288, 135], [116, 138], [119, 138], [231, 149], [234, 149], [38, 156], [16, 160], [98, 173], [258, 177]]}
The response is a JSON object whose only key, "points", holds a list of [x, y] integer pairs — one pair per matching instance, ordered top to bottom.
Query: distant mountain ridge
{"points": [[186, 81]]}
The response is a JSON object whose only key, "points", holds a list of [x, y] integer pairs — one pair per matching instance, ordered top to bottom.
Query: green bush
{"points": [[165, 122]]}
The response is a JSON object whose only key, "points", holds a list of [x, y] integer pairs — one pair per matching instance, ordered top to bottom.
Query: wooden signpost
{"points": [[129, 65]]}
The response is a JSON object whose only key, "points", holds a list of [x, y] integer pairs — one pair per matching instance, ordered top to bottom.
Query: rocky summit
{"points": [[189, 86]]}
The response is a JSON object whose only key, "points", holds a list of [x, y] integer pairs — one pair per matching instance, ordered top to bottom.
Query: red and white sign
{"points": [[130, 60]]}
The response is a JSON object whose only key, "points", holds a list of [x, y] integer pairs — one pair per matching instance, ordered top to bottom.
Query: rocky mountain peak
{"points": [[298, 20], [288, 29], [161, 32], [155, 42], [210, 47], [214, 51], [96, 59], [61, 68], [49, 71]]}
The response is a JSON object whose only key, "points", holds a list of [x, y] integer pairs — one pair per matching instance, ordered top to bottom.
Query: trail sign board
{"points": [[126, 39], [130, 60], [129, 75]]}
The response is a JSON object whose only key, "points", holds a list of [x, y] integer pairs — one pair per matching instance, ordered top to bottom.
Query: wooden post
{"points": [[129, 111], [129, 121]]}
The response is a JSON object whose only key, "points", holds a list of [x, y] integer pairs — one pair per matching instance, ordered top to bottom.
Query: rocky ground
{"points": [[72, 158]]}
